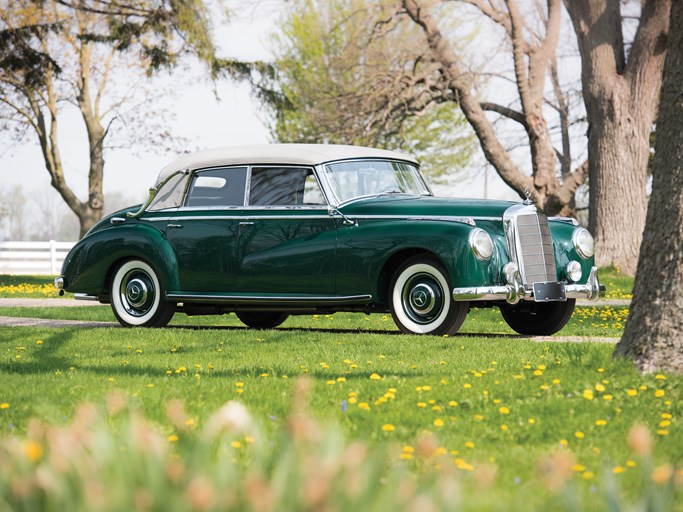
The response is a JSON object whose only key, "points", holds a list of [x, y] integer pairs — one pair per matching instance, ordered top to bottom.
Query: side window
{"points": [[284, 186], [218, 187]]}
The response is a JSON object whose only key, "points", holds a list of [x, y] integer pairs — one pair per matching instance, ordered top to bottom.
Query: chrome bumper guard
{"points": [[513, 292]]}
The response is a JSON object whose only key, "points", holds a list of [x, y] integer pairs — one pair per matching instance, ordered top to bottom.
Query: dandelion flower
{"points": [[375, 376], [632, 392], [659, 393], [4, 405], [504, 410], [438, 422], [601, 423], [388, 427], [579, 435], [173, 438]]}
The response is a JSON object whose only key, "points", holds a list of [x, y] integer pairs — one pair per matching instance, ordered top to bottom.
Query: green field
{"points": [[513, 423]]}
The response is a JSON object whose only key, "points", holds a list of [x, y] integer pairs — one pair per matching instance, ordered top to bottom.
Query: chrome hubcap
{"points": [[137, 292], [422, 298]]}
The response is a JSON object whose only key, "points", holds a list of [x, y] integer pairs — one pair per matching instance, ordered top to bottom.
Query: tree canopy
{"points": [[92, 55], [346, 72]]}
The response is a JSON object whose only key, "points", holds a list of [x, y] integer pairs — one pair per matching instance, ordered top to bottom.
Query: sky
{"points": [[200, 117]]}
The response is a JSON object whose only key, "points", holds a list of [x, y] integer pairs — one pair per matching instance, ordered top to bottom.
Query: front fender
{"points": [[365, 251], [88, 265]]}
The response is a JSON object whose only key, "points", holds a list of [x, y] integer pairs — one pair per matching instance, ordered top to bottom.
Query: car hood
{"points": [[426, 205]]}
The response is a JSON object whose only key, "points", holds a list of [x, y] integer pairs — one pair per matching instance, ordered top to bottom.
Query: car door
{"points": [[204, 231], [287, 239]]}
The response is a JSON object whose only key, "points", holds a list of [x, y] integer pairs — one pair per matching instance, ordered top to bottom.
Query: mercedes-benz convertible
{"points": [[287, 229]]}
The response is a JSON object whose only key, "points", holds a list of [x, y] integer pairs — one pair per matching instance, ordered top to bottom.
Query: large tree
{"points": [[58, 54], [622, 55], [345, 75], [621, 94], [553, 181], [653, 336]]}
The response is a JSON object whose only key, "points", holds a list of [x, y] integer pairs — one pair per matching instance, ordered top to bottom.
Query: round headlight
{"points": [[583, 243], [481, 244], [573, 271]]}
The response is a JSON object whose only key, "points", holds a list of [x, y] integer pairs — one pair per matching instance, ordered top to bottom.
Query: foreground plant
{"points": [[111, 458]]}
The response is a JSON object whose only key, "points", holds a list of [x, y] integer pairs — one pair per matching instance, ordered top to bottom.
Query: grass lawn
{"points": [[516, 424]]}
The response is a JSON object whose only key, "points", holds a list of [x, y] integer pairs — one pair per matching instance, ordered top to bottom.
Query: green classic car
{"points": [[277, 230]]}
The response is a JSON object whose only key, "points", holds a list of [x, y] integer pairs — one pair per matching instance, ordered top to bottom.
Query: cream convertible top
{"points": [[295, 154]]}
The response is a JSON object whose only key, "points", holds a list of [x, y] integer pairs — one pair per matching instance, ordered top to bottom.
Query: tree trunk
{"points": [[621, 95], [618, 148], [654, 331]]}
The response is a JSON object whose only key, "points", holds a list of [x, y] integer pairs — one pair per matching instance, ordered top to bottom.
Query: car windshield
{"points": [[374, 177]]}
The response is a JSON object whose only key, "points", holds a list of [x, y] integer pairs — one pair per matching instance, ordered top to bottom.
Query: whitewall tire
{"points": [[137, 297], [420, 299]]}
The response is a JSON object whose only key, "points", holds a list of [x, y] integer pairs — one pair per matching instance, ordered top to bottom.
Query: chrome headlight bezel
{"points": [[583, 243], [481, 244]]}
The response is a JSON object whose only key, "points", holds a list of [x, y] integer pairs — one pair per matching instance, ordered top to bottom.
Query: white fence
{"points": [[33, 257]]}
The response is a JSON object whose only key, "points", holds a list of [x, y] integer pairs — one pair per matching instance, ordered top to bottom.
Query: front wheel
{"points": [[137, 297], [420, 299], [538, 318], [261, 320]]}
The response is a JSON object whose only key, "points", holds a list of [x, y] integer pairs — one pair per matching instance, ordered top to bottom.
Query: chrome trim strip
{"points": [[244, 215], [247, 217], [285, 217], [256, 299]]}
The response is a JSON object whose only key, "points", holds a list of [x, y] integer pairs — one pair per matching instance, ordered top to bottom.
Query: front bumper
{"points": [[513, 292]]}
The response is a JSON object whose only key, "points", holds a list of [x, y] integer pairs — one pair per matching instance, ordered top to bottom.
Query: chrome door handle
{"points": [[242, 224], [175, 226]]}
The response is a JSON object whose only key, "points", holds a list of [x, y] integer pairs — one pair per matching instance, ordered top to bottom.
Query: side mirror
{"points": [[333, 211]]}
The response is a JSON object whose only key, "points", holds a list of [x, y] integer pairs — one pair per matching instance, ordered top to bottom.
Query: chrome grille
{"points": [[530, 244], [536, 257]]}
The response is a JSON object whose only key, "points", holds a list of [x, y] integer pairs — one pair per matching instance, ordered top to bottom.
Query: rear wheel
{"points": [[137, 297], [420, 298], [538, 318], [262, 320]]}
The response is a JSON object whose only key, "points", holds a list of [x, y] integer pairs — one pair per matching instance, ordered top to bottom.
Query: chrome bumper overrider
{"points": [[515, 291]]}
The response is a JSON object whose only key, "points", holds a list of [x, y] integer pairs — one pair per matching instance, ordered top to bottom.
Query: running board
{"points": [[283, 300]]}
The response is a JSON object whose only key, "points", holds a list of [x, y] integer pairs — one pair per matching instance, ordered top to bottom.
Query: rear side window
{"points": [[284, 186], [218, 187]]}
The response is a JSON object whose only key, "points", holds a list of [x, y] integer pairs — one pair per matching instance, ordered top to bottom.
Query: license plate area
{"points": [[548, 292]]}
